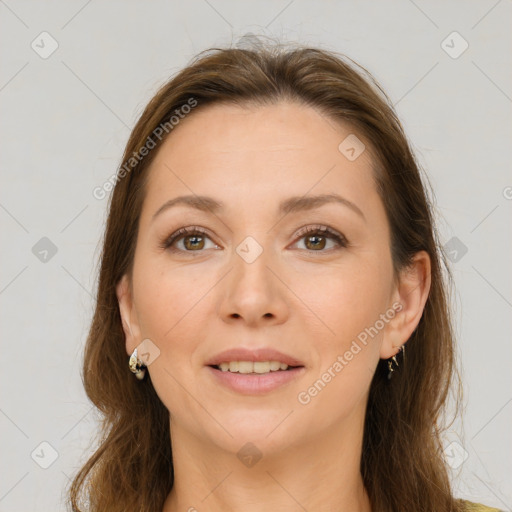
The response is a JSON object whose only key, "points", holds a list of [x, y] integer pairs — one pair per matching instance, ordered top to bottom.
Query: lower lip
{"points": [[256, 384]]}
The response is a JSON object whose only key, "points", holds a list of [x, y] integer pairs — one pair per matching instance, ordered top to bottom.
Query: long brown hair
{"points": [[402, 462]]}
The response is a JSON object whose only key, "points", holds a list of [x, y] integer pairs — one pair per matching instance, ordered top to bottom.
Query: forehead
{"points": [[228, 128], [251, 154]]}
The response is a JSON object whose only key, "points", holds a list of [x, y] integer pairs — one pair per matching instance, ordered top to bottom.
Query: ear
{"points": [[411, 293], [128, 314]]}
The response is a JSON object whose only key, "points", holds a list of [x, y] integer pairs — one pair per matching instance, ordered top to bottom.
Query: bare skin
{"points": [[307, 297]]}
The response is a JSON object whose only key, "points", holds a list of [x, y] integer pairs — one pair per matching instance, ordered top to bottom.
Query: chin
{"points": [[265, 429]]}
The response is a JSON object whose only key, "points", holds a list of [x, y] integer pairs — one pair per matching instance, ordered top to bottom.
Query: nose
{"points": [[253, 293]]}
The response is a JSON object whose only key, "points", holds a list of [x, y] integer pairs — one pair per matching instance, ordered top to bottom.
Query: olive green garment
{"points": [[477, 507]]}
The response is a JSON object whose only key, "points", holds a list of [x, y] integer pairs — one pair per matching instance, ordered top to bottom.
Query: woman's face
{"points": [[255, 279]]}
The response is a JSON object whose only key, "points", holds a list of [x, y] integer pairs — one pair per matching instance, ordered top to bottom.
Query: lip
{"points": [[254, 355], [255, 384]]}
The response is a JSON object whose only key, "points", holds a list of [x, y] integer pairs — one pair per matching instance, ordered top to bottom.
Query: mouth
{"points": [[253, 367], [254, 371], [254, 378]]}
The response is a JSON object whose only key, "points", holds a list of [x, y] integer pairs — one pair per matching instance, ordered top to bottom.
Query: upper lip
{"points": [[254, 355]]}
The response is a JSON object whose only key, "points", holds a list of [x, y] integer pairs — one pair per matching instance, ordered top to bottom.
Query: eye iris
{"points": [[194, 239], [315, 239]]}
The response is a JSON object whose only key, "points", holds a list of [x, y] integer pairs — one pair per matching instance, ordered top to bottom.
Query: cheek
{"points": [[166, 299], [345, 301], [349, 304], [169, 305]]}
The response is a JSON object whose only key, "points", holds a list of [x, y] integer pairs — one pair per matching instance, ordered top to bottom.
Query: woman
{"points": [[271, 277]]}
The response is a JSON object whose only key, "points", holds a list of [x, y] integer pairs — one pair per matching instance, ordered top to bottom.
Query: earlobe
{"points": [[412, 294], [124, 298]]}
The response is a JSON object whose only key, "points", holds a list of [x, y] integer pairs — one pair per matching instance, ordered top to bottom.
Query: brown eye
{"points": [[317, 238], [191, 239], [193, 242], [315, 242]]}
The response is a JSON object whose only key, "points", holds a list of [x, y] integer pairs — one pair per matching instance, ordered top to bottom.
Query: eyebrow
{"points": [[290, 205]]}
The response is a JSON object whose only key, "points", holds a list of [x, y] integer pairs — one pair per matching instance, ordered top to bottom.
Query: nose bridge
{"points": [[252, 278], [253, 293]]}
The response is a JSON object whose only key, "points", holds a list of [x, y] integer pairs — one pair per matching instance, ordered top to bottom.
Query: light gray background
{"points": [[66, 118]]}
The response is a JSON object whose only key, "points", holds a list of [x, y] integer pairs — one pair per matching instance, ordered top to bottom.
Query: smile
{"points": [[252, 366], [256, 378]]}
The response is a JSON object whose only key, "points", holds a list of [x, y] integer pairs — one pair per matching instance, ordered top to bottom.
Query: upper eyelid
{"points": [[311, 228]]}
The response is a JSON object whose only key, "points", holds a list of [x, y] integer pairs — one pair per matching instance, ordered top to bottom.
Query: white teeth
{"points": [[243, 367], [252, 367]]}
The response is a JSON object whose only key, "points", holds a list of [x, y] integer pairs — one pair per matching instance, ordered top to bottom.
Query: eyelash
{"points": [[303, 232]]}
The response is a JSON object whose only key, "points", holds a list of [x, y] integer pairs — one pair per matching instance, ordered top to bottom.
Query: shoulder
{"points": [[469, 506]]}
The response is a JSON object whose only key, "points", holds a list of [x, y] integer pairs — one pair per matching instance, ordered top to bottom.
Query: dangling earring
{"points": [[393, 360], [137, 366]]}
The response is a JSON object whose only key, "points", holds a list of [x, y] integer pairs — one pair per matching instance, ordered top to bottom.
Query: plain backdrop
{"points": [[75, 76]]}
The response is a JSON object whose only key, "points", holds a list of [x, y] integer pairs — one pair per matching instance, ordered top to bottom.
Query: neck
{"points": [[316, 474]]}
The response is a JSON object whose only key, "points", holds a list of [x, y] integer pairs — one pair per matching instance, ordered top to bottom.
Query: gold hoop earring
{"points": [[393, 360], [137, 366]]}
